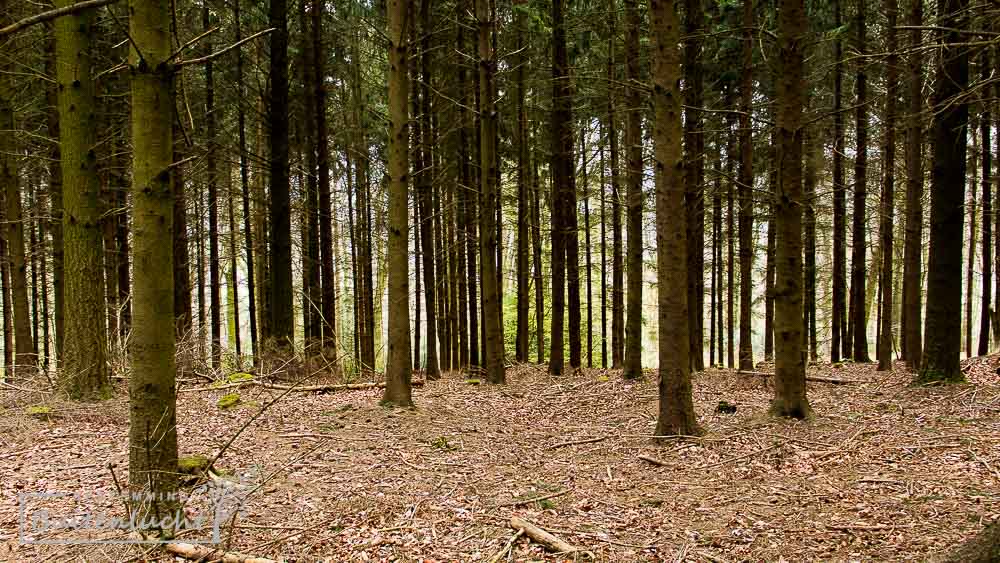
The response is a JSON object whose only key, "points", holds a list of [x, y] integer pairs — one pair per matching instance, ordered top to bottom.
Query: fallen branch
{"points": [[813, 378], [301, 388], [577, 442], [653, 460], [519, 502], [540, 536], [506, 548], [194, 552]]}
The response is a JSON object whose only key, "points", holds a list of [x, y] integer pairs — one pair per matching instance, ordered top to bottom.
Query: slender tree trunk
{"points": [[986, 124], [694, 170], [523, 171], [423, 178], [245, 185], [746, 192], [467, 197], [634, 197], [55, 198], [213, 198], [717, 209], [973, 224], [730, 242], [809, 247], [617, 251], [913, 251], [604, 259], [536, 261], [589, 262], [769, 269], [328, 274], [944, 289], [715, 305], [282, 312], [8, 316], [859, 319], [839, 347], [885, 347], [493, 352], [84, 360], [398, 368], [790, 382], [152, 395], [676, 412]]}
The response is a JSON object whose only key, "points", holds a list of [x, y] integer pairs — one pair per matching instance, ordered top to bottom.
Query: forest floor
{"points": [[884, 471]]}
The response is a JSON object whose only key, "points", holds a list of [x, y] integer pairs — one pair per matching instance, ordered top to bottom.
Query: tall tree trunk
{"points": [[986, 125], [694, 170], [523, 171], [423, 179], [245, 185], [746, 192], [468, 196], [634, 197], [55, 198], [213, 198], [973, 224], [14, 230], [730, 240], [913, 246], [809, 250], [617, 251], [604, 259], [536, 260], [589, 262], [769, 269], [182, 277], [328, 289], [944, 289], [282, 311], [8, 314], [859, 319], [715, 330], [85, 345], [839, 347], [885, 347], [493, 352], [398, 368], [790, 381], [152, 395], [676, 412]]}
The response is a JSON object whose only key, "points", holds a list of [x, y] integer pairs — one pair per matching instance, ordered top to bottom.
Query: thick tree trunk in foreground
{"points": [[942, 339], [85, 343], [398, 368], [790, 382], [152, 394], [676, 412], [982, 548]]}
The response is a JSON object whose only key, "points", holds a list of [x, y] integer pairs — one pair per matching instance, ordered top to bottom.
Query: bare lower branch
{"points": [[53, 14]]}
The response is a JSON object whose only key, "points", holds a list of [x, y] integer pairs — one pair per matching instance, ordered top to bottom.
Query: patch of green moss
{"points": [[239, 377], [938, 377], [602, 378], [472, 381], [227, 401], [39, 411], [441, 443], [193, 465]]}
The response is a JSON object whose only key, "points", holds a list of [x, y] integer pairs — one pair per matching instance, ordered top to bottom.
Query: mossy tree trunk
{"points": [[85, 345]]}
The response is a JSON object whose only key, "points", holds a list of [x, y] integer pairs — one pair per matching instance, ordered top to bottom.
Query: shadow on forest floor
{"points": [[882, 472]]}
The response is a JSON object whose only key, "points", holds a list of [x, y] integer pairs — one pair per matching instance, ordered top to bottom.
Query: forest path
{"points": [[883, 472]]}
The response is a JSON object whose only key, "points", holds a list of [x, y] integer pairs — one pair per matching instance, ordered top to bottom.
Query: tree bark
{"points": [[986, 125], [694, 169], [523, 172], [245, 185], [746, 192], [213, 198], [913, 246], [617, 250], [282, 317], [859, 319], [942, 339], [839, 347], [885, 348], [84, 360], [398, 368], [632, 368], [790, 385], [152, 390], [676, 409]]}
